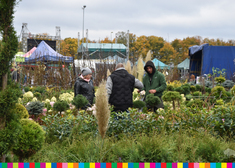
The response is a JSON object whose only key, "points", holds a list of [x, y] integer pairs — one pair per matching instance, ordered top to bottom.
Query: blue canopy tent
{"points": [[44, 53], [204, 57], [160, 64], [184, 64]]}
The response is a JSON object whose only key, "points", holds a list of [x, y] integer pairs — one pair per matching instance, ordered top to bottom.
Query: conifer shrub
{"points": [[220, 79], [228, 84], [198, 87], [26, 88], [170, 88], [192, 88], [179, 89], [185, 89], [208, 90], [219, 92], [197, 93], [37, 95], [172, 96], [152, 100], [80, 101], [195, 103], [138, 104], [60, 106], [35, 107], [21, 111], [30, 139]]}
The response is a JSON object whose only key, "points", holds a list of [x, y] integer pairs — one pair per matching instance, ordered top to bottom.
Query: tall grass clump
{"points": [[148, 57], [128, 66], [140, 68], [134, 71], [108, 73], [102, 109]]}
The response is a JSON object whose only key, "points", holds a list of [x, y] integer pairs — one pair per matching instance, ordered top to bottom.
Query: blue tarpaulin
{"points": [[44, 53], [203, 58]]}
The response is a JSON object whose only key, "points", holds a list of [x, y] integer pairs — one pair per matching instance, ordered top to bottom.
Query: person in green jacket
{"points": [[154, 82]]}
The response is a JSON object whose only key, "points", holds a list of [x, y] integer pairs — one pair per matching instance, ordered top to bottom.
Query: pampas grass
{"points": [[148, 57], [128, 66], [140, 69], [134, 71], [108, 73], [102, 109]]}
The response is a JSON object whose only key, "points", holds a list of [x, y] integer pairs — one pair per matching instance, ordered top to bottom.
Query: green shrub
{"points": [[220, 79], [208, 84], [228, 84], [198, 87], [26, 88], [170, 88], [192, 88], [39, 89], [179, 89], [185, 89], [208, 90], [219, 92], [197, 93], [37, 94], [172, 96], [189, 97], [152, 100], [80, 101], [195, 103], [138, 104], [60, 106], [35, 107], [21, 111], [30, 139]]}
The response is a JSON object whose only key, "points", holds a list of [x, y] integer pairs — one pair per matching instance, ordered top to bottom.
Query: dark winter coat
{"points": [[157, 83], [123, 86], [84, 88]]}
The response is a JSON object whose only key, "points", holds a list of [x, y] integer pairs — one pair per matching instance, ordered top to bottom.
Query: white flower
{"points": [[142, 92], [28, 94], [66, 97], [34, 99], [53, 99], [20, 100], [47, 101]]}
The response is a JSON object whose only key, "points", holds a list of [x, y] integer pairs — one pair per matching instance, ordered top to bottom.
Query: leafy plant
{"points": [[220, 79], [219, 92], [172, 96], [152, 100], [80, 101], [195, 103], [138, 104], [60, 106], [35, 108], [21, 111], [30, 139]]}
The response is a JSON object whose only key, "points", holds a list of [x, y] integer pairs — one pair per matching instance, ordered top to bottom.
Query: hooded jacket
{"points": [[155, 81], [122, 87], [84, 88]]}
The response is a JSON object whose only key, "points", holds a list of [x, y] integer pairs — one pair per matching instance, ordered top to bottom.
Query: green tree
{"points": [[156, 43]]}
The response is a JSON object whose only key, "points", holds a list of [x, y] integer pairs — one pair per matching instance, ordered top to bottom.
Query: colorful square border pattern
{"points": [[117, 165]]}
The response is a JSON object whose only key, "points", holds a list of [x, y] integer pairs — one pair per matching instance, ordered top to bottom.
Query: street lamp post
{"points": [[84, 6]]}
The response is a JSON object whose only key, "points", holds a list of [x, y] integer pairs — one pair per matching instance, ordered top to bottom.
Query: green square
{"points": [[4, 165], [37, 165], [86, 165], [114, 165], [136, 165], [168, 165], [218, 165]]}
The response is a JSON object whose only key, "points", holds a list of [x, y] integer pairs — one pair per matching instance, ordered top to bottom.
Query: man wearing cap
{"points": [[154, 82], [84, 85], [120, 85]]}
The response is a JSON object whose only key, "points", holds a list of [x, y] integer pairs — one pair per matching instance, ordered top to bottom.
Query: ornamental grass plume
{"points": [[148, 57], [128, 67], [140, 68], [134, 71], [108, 73], [102, 109]]}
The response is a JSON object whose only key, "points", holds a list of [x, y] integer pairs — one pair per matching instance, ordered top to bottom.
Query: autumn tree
{"points": [[156, 43], [69, 46], [142, 46], [167, 54]]}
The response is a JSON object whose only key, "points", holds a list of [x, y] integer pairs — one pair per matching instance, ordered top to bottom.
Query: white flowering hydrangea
{"points": [[28, 94], [66, 97], [183, 98], [34, 99], [53, 99], [47, 101]]}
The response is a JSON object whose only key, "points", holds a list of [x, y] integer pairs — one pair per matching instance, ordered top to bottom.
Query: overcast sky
{"points": [[169, 19]]}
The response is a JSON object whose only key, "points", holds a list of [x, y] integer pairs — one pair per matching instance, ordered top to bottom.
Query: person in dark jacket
{"points": [[154, 82], [84, 85], [120, 85]]}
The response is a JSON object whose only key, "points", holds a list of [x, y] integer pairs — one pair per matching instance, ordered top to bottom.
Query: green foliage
{"points": [[217, 71], [220, 79], [208, 84], [228, 84], [198, 87], [26, 88], [170, 88], [192, 88], [39, 89], [179, 89], [185, 89], [208, 90], [219, 92], [197, 93], [37, 95], [171, 96], [189, 97], [8, 99], [152, 100], [80, 101], [220, 102], [195, 103], [138, 104], [60, 106], [35, 107], [21, 111], [8, 136], [30, 139]]}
